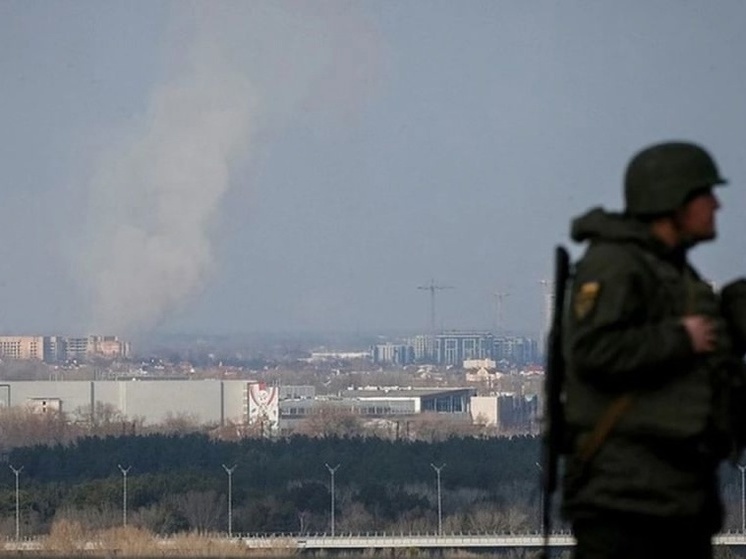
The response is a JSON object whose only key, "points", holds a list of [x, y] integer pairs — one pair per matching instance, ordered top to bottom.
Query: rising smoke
{"points": [[159, 186], [156, 191]]}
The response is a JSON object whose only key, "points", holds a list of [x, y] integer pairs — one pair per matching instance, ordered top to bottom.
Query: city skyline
{"points": [[226, 167]]}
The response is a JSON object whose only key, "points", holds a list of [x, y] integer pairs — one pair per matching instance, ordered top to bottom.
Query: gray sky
{"points": [[303, 166]]}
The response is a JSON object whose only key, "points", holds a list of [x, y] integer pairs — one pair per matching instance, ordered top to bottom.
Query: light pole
{"points": [[124, 471], [229, 471], [17, 472], [331, 472], [541, 496], [743, 497], [440, 510]]}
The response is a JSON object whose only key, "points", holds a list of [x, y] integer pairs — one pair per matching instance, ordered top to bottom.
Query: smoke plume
{"points": [[156, 190], [155, 194]]}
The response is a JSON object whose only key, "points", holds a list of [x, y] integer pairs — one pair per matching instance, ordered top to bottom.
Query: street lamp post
{"points": [[124, 471], [229, 471], [17, 472], [331, 473], [541, 497], [743, 497], [440, 509]]}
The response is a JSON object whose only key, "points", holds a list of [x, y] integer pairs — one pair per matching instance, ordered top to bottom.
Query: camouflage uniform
{"points": [[625, 343]]}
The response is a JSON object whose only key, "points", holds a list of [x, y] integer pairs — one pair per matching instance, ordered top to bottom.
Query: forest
{"points": [[178, 478], [177, 483]]}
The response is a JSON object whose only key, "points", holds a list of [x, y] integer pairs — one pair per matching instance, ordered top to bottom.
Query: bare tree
{"points": [[106, 419], [329, 421], [178, 424], [23, 426], [435, 427], [230, 431], [202, 509], [89, 518], [354, 518], [158, 519], [417, 522], [66, 537]]}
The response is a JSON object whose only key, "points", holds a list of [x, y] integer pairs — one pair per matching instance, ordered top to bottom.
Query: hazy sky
{"points": [[288, 166]]}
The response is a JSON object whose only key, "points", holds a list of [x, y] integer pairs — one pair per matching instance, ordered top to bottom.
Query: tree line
{"points": [[178, 483]]}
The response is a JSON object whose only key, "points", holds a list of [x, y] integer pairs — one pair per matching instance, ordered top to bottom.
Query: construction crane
{"points": [[432, 288], [499, 302]]}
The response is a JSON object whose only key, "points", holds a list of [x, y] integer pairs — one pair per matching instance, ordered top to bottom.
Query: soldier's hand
{"points": [[701, 330]]}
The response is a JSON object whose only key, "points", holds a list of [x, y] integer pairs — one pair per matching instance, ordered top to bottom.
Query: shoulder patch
{"points": [[585, 299]]}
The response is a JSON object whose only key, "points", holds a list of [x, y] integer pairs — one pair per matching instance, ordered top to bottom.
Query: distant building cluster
{"points": [[453, 348], [60, 349], [274, 408]]}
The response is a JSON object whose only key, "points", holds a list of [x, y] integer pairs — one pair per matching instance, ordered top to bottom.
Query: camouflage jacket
{"points": [[624, 338]]}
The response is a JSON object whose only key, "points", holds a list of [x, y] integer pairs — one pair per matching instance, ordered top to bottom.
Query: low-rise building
{"points": [[508, 412]]}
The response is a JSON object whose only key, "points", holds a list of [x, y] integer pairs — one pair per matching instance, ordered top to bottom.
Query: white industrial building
{"points": [[207, 401]]}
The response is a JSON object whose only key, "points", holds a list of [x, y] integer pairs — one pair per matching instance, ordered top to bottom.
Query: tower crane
{"points": [[432, 287]]}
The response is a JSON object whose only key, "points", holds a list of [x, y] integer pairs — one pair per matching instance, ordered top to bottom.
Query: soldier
{"points": [[653, 367]]}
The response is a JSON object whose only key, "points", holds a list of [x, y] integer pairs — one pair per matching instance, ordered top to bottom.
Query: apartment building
{"points": [[22, 347], [454, 348], [55, 349], [517, 350], [393, 354]]}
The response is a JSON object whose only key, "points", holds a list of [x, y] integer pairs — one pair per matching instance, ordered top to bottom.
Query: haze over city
{"points": [[282, 166]]}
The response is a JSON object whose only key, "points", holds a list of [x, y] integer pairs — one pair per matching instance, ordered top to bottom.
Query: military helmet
{"points": [[660, 178]]}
